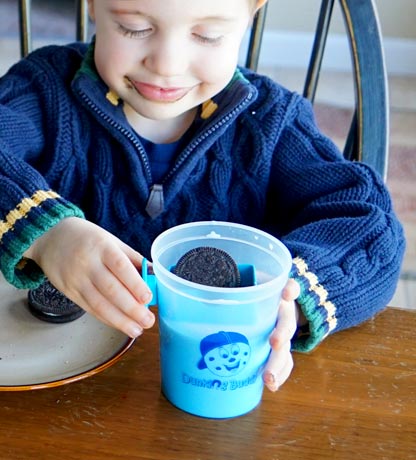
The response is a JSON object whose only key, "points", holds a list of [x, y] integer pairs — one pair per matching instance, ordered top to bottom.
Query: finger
{"points": [[135, 257], [123, 269], [291, 291], [117, 295], [97, 305], [285, 327], [279, 367]]}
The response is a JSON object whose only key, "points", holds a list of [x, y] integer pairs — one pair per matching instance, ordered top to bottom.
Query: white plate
{"points": [[35, 354]]}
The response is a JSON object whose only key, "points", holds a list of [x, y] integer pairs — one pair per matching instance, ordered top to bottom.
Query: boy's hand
{"points": [[97, 271], [280, 363]]}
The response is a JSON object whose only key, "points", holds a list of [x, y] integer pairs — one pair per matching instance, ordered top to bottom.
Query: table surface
{"points": [[354, 395]]}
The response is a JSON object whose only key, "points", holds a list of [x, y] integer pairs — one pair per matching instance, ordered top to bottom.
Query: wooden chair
{"points": [[367, 140]]}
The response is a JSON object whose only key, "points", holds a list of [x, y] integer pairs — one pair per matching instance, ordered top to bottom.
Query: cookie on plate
{"points": [[49, 304]]}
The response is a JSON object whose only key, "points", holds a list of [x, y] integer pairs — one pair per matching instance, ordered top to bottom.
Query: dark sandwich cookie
{"points": [[209, 266], [49, 304]]}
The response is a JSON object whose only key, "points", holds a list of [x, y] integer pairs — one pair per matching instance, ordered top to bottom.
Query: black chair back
{"points": [[368, 136]]}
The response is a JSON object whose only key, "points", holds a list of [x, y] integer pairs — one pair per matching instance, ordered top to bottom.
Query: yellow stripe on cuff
{"points": [[23, 209], [319, 290]]}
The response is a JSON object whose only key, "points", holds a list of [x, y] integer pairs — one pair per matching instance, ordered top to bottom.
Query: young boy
{"points": [[104, 147]]}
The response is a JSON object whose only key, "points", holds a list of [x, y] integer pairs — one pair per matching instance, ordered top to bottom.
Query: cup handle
{"points": [[150, 280]]}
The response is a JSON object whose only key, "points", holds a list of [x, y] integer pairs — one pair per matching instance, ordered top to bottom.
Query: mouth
{"points": [[159, 94], [232, 368]]}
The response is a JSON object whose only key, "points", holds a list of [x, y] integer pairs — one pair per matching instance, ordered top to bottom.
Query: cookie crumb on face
{"points": [[112, 97], [208, 108]]}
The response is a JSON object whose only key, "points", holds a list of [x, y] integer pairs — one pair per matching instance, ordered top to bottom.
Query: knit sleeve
{"points": [[28, 205], [336, 218], [28, 220]]}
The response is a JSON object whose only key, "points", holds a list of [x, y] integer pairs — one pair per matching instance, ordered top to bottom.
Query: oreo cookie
{"points": [[209, 266], [49, 304]]}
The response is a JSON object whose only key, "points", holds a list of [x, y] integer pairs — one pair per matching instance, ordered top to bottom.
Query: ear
{"points": [[91, 9]]}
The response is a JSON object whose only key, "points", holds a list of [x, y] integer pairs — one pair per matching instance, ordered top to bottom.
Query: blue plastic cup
{"points": [[214, 342]]}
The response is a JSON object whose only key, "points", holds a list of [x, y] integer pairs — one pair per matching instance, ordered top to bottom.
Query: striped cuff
{"points": [[31, 218], [318, 310]]}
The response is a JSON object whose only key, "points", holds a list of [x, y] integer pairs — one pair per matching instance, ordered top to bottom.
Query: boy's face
{"points": [[165, 57]]}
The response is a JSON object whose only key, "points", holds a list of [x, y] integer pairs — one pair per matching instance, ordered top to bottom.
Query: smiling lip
{"points": [[158, 94], [231, 368]]}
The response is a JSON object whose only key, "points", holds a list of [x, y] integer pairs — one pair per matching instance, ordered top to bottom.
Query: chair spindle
{"points": [[25, 28]]}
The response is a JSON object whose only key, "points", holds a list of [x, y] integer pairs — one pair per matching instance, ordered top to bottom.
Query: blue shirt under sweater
{"points": [[161, 157], [258, 159]]}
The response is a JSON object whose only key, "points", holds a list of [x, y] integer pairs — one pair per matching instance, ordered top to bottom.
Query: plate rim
{"points": [[108, 362]]}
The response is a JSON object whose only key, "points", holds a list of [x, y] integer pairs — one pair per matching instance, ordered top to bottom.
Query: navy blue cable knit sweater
{"points": [[259, 159]]}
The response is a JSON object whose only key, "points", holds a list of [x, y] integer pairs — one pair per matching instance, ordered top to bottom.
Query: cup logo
{"points": [[225, 353]]}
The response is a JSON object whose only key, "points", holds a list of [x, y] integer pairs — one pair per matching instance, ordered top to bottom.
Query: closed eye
{"points": [[131, 33], [208, 40]]}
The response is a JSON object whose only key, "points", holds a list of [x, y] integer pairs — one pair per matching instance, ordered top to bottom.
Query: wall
{"points": [[397, 17], [290, 24]]}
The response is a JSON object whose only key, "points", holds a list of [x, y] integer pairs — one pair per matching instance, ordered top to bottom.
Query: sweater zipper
{"points": [[123, 131], [205, 134], [155, 203]]}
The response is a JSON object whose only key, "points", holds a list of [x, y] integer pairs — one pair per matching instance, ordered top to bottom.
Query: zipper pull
{"points": [[156, 203]]}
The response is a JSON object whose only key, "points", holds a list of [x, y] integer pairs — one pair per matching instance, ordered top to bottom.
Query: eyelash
{"points": [[145, 32], [134, 33], [208, 40]]}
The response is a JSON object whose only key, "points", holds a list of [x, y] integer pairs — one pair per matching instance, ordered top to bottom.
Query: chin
{"points": [[164, 111], [159, 116]]}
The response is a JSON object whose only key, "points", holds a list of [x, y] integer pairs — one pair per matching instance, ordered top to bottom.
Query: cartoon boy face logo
{"points": [[224, 353]]}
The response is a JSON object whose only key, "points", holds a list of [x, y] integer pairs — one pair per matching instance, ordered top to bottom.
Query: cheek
{"points": [[110, 58], [218, 68]]}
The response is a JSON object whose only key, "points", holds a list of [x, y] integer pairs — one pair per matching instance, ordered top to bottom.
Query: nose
{"points": [[167, 57]]}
